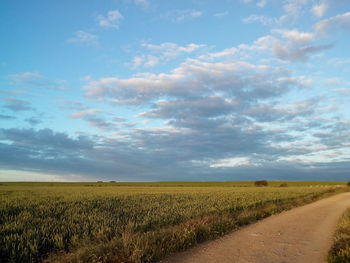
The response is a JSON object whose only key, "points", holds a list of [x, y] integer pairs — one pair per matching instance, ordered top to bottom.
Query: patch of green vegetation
{"points": [[261, 183], [97, 222], [340, 251]]}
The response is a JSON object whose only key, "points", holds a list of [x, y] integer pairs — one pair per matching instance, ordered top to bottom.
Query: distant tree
{"points": [[112, 181], [261, 183], [348, 184], [283, 185]]}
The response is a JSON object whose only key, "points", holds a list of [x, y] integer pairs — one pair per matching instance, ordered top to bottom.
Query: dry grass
{"points": [[340, 251]]}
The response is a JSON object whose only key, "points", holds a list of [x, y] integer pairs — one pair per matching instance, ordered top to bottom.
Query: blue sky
{"points": [[146, 90]]}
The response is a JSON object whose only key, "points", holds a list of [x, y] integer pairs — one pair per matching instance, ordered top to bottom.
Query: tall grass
{"points": [[128, 224], [340, 251]]}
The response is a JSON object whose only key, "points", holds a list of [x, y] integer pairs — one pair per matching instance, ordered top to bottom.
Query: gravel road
{"points": [[301, 235]]}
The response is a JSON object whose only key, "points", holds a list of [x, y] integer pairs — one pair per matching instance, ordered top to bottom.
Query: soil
{"points": [[300, 235]]}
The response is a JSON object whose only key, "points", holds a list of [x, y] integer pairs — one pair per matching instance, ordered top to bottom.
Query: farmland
{"points": [[132, 222]]}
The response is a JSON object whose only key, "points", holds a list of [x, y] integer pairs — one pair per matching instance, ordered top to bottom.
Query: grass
{"points": [[131, 222], [340, 251]]}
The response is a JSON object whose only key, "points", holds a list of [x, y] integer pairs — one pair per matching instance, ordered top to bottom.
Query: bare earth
{"points": [[303, 234]]}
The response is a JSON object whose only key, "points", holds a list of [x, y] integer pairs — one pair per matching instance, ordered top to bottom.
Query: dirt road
{"points": [[300, 235]]}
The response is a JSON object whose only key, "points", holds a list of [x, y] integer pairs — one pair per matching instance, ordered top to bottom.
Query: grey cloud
{"points": [[292, 53], [27, 78], [35, 80], [17, 105], [72, 105], [200, 107], [210, 107], [210, 112], [267, 113], [7, 117], [94, 119], [33, 121], [122, 122], [101, 123], [337, 135], [198, 138], [44, 139], [49, 152], [160, 154]]}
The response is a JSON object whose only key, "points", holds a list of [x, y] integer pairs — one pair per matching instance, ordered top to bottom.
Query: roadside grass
{"points": [[94, 222], [340, 251]]}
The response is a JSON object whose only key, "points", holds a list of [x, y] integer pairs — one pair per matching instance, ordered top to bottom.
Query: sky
{"points": [[188, 90]]}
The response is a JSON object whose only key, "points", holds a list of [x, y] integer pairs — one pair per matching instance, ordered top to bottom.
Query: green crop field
{"points": [[132, 222]]}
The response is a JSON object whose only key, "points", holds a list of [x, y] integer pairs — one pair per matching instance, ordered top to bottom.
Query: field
{"points": [[132, 222], [340, 252]]}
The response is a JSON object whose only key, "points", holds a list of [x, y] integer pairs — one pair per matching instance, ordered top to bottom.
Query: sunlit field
{"points": [[133, 222]]}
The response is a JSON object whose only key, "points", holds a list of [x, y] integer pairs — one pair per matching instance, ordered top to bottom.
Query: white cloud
{"points": [[141, 2], [258, 3], [261, 3], [293, 9], [320, 9], [221, 14], [181, 15], [259, 18], [112, 19], [336, 22], [296, 36], [83, 38], [264, 43], [289, 45], [296, 45], [171, 50], [162, 52], [228, 52], [147, 61], [151, 61], [137, 62], [340, 62], [26, 77], [235, 78], [35, 80], [335, 81], [343, 91], [85, 113], [231, 162], [32, 176]]}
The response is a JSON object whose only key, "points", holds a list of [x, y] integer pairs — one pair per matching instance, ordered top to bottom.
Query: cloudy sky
{"points": [[155, 90]]}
